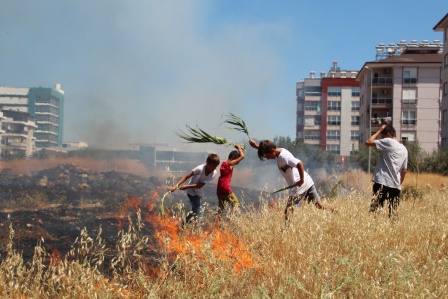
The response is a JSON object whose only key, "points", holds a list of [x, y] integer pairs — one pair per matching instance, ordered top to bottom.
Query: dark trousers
{"points": [[383, 193], [195, 208]]}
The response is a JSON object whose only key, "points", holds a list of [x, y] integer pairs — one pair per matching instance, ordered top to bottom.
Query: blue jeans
{"points": [[196, 212]]}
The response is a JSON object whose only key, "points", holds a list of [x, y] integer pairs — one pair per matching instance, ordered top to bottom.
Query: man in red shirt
{"points": [[224, 191]]}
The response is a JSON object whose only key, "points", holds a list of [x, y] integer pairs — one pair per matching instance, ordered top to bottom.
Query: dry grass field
{"points": [[253, 254]]}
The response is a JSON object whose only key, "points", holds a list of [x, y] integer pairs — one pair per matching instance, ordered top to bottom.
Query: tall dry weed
{"points": [[320, 254]]}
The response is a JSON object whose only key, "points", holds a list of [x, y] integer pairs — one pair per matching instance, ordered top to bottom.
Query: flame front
{"points": [[219, 244]]}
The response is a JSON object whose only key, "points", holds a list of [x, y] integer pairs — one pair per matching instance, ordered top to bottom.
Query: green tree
{"points": [[360, 158], [436, 162]]}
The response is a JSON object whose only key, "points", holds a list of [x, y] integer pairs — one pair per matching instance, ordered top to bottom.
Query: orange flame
{"points": [[225, 246]]}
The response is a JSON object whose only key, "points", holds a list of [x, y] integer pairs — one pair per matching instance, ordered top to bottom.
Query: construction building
{"points": [[402, 87], [327, 111], [17, 133]]}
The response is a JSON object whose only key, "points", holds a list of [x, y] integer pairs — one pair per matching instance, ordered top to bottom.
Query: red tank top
{"points": [[224, 179]]}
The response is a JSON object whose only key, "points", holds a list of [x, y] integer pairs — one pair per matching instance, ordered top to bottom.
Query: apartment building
{"points": [[443, 27], [402, 87], [46, 105], [327, 113], [17, 133]]}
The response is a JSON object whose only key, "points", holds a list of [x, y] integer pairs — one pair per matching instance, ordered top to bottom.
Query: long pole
{"points": [[370, 118]]}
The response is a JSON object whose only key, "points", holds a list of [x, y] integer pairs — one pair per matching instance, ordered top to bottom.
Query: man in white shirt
{"points": [[390, 169], [293, 172]]}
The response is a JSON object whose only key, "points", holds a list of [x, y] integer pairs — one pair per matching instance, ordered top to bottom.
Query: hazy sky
{"points": [[138, 71]]}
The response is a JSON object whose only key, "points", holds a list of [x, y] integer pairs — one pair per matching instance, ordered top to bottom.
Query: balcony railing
{"points": [[382, 80], [410, 80], [382, 101], [312, 108], [381, 120], [334, 122], [312, 137], [333, 137]]}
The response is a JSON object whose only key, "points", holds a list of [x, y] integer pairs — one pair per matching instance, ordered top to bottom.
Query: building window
{"points": [[445, 60], [410, 75], [445, 88], [313, 90], [334, 91], [356, 92], [409, 95], [313, 105], [355, 105], [334, 106], [444, 116], [409, 117], [312, 120], [334, 120], [354, 121], [312, 135], [333, 135], [354, 135], [407, 137], [444, 143], [334, 148]]}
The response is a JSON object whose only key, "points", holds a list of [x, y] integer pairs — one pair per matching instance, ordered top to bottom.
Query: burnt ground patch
{"points": [[55, 205]]}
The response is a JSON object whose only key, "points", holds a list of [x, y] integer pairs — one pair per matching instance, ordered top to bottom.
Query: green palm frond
{"points": [[238, 123], [200, 136]]}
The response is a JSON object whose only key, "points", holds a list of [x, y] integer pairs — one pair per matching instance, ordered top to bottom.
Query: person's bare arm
{"points": [[371, 140], [253, 144], [241, 157], [301, 173], [403, 174], [181, 181]]}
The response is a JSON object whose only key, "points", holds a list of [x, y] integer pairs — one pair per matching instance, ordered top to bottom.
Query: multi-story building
{"points": [[443, 26], [402, 87], [46, 105], [327, 110], [17, 133]]}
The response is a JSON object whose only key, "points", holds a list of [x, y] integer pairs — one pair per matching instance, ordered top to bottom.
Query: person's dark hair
{"points": [[389, 130], [265, 147], [234, 154], [213, 159]]}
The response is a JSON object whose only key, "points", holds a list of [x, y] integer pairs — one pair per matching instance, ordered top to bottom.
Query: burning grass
{"points": [[349, 254]]}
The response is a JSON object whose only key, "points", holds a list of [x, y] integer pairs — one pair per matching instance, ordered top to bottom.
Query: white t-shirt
{"points": [[393, 158], [287, 164], [200, 177]]}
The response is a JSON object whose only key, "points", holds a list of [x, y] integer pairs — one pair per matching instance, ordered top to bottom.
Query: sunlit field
{"points": [[253, 253]]}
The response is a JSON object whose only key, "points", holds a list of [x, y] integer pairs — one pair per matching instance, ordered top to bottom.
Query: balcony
{"points": [[382, 80], [410, 80], [382, 101], [378, 121], [312, 137], [333, 137]]}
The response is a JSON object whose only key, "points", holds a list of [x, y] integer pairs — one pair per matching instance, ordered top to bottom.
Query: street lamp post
{"points": [[370, 118]]}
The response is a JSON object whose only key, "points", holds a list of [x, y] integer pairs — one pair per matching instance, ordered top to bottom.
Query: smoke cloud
{"points": [[138, 71]]}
